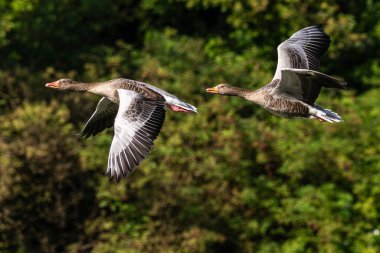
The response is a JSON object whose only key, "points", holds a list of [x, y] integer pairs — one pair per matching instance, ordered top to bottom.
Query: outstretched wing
{"points": [[302, 50], [304, 84], [102, 118], [137, 124]]}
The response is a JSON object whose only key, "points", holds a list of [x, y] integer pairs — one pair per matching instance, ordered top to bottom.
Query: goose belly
{"points": [[289, 109]]}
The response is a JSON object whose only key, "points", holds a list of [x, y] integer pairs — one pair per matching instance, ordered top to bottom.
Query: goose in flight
{"points": [[297, 81], [135, 109]]}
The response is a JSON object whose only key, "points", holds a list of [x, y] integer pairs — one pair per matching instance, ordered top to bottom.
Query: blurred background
{"points": [[233, 178]]}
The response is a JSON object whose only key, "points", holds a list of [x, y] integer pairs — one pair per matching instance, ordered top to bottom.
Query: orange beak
{"points": [[52, 85], [212, 90]]}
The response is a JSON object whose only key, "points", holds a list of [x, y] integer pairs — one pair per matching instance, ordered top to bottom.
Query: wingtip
{"points": [[318, 26], [343, 85], [84, 134], [108, 174], [116, 177]]}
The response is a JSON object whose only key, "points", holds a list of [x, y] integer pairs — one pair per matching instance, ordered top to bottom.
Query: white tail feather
{"points": [[177, 102], [187, 106], [325, 114]]}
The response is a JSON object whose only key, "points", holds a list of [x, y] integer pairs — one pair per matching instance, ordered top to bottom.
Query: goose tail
{"points": [[180, 106], [189, 107], [325, 115]]}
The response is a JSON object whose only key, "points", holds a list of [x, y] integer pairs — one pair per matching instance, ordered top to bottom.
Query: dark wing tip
{"points": [[319, 26], [86, 131], [85, 135], [120, 168], [114, 178]]}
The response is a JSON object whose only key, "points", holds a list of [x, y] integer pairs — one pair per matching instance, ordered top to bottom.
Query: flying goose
{"points": [[296, 83], [136, 110]]}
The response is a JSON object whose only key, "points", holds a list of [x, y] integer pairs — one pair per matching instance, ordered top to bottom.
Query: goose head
{"points": [[62, 84], [224, 89]]}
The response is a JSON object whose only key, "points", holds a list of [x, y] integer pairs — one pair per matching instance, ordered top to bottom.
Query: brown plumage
{"points": [[297, 82], [135, 109]]}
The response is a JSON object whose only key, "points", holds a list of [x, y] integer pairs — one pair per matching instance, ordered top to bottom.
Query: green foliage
{"points": [[232, 178], [40, 203]]}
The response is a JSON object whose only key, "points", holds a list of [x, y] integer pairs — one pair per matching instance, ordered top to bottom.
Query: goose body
{"points": [[297, 81], [135, 109]]}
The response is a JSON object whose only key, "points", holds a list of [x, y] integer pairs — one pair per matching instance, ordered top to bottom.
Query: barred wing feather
{"points": [[302, 50], [137, 124]]}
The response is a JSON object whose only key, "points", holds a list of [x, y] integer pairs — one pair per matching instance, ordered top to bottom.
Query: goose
{"points": [[297, 81], [135, 109]]}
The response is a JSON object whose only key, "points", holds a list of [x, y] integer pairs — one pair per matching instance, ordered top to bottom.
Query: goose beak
{"points": [[52, 85], [212, 90]]}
